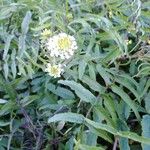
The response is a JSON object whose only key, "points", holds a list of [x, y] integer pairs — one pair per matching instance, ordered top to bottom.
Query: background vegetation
{"points": [[102, 101]]}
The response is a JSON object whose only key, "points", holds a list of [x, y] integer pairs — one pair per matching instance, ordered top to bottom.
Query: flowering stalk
{"points": [[59, 48]]}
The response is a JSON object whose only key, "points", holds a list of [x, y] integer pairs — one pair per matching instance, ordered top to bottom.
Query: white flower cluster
{"points": [[60, 47], [54, 70]]}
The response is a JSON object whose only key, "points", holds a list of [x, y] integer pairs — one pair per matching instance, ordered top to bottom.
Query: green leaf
{"points": [[6, 12], [26, 22], [82, 22], [107, 26], [21, 45], [7, 46], [111, 56], [13, 64], [82, 67], [13, 68], [6, 70], [30, 70], [92, 73], [104, 74], [124, 76], [127, 84], [94, 85], [145, 88], [8, 89], [60, 91], [64, 93], [82, 93], [126, 98], [29, 99], [3, 101], [147, 102], [109, 103], [5, 109], [123, 110], [101, 112], [70, 117], [2, 123], [101, 126], [146, 130], [101, 133], [125, 134], [134, 136], [91, 138], [123, 144], [86, 147]]}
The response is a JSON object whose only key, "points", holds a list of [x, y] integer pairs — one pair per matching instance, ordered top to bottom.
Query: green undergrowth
{"points": [[102, 99]]}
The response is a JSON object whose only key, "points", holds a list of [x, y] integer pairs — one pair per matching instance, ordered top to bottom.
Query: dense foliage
{"points": [[102, 99]]}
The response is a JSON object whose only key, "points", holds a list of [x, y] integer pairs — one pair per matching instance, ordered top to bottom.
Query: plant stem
{"points": [[115, 143]]}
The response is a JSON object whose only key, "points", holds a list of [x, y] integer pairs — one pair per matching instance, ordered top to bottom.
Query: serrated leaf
{"points": [[26, 22], [21, 45], [7, 46], [111, 56], [13, 64], [82, 67], [13, 68], [6, 70], [92, 73], [104, 74], [94, 85], [128, 85], [145, 88], [60, 91], [64, 93], [82, 93], [126, 98], [147, 102], [109, 103], [104, 114], [70, 117], [101, 126], [146, 130], [101, 133], [125, 134], [134, 136]]}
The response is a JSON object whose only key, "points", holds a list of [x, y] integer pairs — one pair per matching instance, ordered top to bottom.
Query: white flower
{"points": [[61, 45], [54, 70]]}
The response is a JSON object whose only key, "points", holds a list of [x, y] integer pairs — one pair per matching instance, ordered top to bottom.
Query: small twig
{"points": [[29, 122], [36, 131], [39, 139], [9, 141], [115, 143]]}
